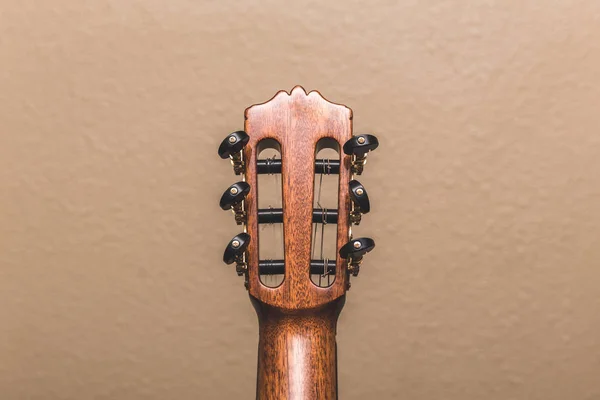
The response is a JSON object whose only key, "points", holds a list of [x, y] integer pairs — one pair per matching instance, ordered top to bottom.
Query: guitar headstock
{"points": [[298, 125]]}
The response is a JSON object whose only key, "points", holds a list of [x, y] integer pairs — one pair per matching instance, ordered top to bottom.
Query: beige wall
{"points": [[486, 194]]}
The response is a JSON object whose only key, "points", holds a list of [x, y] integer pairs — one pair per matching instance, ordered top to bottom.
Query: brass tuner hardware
{"points": [[231, 147], [358, 147], [233, 199], [360, 201], [354, 251], [354, 267], [241, 268]]}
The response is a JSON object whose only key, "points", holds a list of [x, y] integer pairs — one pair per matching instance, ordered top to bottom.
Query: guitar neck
{"points": [[297, 353]]}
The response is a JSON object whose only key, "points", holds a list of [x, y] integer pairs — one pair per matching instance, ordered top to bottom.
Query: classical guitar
{"points": [[299, 296]]}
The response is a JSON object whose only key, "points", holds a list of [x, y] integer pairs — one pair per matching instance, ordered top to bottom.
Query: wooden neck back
{"points": [[297, 352]]}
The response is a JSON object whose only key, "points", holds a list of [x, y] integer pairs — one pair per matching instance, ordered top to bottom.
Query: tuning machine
{"points": [[232, 147], [358, 147], [233, 199], [360, 201], [354, 251], [235, 252]]}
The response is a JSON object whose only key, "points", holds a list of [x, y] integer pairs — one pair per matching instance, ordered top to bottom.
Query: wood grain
{"points": [[297, 121], [297, 348], [297, 352]]}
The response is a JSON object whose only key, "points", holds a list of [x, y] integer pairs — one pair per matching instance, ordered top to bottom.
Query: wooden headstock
{"points": [[297, 124], [297, 319]]}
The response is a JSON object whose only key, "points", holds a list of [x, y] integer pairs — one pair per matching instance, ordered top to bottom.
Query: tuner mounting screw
{"points": [[232, 139], [361, 139], [233, 190], [360, 191], [236, 243], [355, 244]]}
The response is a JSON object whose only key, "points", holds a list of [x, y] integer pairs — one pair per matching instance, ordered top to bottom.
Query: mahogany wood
{"points": [[297, 121], [297, 349], [297, 352]]}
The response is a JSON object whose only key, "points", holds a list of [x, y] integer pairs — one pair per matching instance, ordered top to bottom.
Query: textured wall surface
{"points": [[485, 191]]}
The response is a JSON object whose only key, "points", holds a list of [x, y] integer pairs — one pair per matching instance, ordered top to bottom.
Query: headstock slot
{"points": [[325, 199], [270, 212]]}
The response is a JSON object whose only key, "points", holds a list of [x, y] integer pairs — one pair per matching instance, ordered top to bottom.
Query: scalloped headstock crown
{"points": [[298, 125]]}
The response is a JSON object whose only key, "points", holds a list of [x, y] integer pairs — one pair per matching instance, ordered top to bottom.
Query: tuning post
{"points": [[231, 147], [358, 147], [233, 199], [360, 201], [354, 251], [235, 252], [354, 267]]}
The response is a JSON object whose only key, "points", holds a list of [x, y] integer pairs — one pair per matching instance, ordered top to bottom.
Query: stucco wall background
{"points": [[485, 194]]}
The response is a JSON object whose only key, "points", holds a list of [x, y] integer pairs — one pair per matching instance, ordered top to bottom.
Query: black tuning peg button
{"points": [[233, 143], [360, 144], [231, 147], [358, 147], [234, 194], [232, 199], [360, 201], [236, 247], [354, 250], [234, 252]]}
